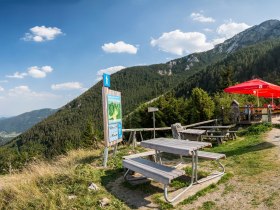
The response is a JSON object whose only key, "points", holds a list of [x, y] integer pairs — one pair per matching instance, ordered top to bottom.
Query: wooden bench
{"points": [[142, 154], [200, 154], [212, 156], [149, 169]]}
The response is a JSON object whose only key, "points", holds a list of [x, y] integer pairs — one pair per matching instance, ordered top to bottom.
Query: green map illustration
{"points": [[114, 110]]}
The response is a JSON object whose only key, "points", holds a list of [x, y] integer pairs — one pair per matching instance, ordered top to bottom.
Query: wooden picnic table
{"points": [[215, 126], [223, 129], [192, 134], [179, 147]]}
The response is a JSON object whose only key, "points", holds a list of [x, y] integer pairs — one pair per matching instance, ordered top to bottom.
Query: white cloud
{"points": [[201, 18], [230, 29], [42, 33], [179, 43], [119, 47], [47, 69], [110, 70], [33, 71], [17, 75], [68, 86], [1, 89], [19, 90], [24, 91], [21, 99]]}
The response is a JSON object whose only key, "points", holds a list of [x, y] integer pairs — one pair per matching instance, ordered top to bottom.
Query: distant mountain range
{"points": [[251, 53], [22, 122]]}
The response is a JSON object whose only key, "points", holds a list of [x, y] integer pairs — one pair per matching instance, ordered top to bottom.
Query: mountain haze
{"points": [[246, 55], [24, 121]]}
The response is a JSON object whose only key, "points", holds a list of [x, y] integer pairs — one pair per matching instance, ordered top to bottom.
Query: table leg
{"points": [[196, 164], [193, 167], [188, 187]]}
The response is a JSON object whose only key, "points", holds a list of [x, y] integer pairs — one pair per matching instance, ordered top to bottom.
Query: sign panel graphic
{"points": [[114, 117]]}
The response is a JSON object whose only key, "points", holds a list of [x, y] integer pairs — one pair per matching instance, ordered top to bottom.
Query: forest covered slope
{"points": [[212, 71]]}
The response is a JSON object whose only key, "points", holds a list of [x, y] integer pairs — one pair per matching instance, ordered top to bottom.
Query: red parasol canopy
{"points": [[256, 87]]}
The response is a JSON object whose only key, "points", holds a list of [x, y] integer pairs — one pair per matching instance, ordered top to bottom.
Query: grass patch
{"points": [[256, 129], [246, 155], [63, 183], [228, 188], [200, 193], [269, 202], [162, 204], [208, 205]]}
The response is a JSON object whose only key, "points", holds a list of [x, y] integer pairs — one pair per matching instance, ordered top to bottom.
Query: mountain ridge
{"points": [[24, 121]]}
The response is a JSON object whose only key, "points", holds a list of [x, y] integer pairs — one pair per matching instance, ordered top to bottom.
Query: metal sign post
{"points": [[153, 109], [112, 117]]}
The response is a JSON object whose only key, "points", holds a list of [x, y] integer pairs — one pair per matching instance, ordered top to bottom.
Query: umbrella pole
{"points": [[258, 98]]}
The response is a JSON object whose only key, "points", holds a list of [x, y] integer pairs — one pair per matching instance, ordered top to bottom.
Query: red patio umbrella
{"points": [[256, 87]]}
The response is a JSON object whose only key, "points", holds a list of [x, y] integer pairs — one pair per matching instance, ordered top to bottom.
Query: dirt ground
{"points": [[260, 191], [256, 192]]}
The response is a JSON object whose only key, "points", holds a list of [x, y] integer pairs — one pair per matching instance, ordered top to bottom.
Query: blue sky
{"points": [[53, 50]]}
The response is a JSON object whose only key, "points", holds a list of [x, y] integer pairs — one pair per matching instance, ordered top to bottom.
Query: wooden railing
{"points": [[132, 137]]}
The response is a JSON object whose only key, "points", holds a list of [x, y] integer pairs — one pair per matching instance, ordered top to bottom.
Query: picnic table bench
{"points": [[179, 132], [218, 132], [192, 134], [155, 171], [165, 174]]}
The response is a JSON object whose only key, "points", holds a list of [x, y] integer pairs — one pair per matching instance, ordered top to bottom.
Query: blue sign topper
{"points": [[106, 80]]}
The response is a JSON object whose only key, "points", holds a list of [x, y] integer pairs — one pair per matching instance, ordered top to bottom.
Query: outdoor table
{"points": [[223, 128], [192, 134], [179, 147]]}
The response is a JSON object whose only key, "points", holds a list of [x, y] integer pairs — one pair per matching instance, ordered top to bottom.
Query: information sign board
{"points": [[114, 111], [112, 114]]}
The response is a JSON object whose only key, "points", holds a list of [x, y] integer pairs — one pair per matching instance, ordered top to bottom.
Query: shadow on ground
{"points": [[249, 148], [135, 196]]}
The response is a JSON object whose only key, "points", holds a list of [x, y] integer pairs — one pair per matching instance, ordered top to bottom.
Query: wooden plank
{"points": [[216, 127], [168, 128], [193, 131], [215, 136], [175, 146], [142, 154], [210, 155], [166, 169], [160, 173]]}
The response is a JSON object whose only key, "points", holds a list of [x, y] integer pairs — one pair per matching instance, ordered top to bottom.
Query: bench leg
{"points": [[219, 140], [157, 157], [194, 172], [214, 175]]}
